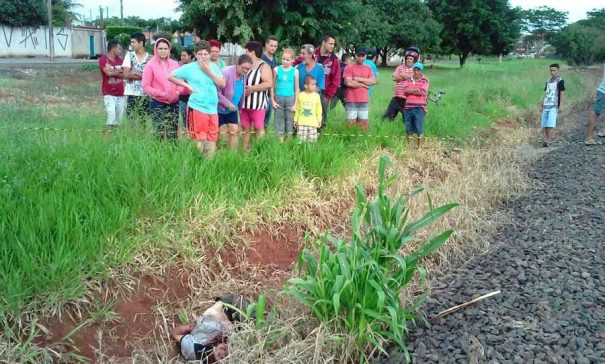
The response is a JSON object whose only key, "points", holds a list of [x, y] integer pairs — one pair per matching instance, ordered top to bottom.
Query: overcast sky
{"points": [[158, 8]]}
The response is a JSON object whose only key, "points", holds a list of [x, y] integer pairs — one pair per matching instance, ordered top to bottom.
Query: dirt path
{"points": [[549, 266]]}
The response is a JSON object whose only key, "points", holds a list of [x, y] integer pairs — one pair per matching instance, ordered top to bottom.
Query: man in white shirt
{"points": [[133, 66]]}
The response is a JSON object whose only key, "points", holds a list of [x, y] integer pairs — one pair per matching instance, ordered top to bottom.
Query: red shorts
{"points": [[254, 118], [202, 127]]}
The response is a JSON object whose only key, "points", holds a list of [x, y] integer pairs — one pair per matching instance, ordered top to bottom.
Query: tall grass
{"points": [[72, 200]]}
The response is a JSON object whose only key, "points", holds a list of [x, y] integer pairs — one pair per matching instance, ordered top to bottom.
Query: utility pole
{"points": [[122, 10], [51, 40]]}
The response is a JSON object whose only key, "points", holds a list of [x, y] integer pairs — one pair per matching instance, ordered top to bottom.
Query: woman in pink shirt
{"points": [[164, 103]]}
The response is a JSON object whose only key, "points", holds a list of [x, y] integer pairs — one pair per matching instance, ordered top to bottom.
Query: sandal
{"points": [[590, 142]]}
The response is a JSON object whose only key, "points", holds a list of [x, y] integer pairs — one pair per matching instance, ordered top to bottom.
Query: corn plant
{"points": [[356, 284]]}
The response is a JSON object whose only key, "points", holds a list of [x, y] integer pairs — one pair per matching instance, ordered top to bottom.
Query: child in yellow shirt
{"points": [[308, 111]]}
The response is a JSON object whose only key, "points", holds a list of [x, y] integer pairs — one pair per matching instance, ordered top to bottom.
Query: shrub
{"points": [[113, 31], [356, 284]]}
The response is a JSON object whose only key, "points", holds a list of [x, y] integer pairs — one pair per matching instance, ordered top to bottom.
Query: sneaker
{"points": [[590, 142]]}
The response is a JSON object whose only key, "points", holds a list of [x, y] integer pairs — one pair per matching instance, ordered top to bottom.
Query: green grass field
{"points": [[71, 200]]}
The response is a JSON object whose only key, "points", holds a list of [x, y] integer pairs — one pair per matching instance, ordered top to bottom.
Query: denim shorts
{"points": [[599, 103], [549, 117], [229, 118], [414, 121]]}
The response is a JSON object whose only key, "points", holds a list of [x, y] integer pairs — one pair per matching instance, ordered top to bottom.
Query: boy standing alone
{"points": [[551, 106]]}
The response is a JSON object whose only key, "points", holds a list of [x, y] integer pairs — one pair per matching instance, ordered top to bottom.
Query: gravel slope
{"points": [[549, 266]]}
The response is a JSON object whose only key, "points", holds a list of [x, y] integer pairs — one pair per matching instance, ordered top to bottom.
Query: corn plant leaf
{"points": [[429, 218]]}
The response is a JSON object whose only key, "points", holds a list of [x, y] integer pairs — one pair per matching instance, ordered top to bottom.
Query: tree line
{"points": [[459, 27]]}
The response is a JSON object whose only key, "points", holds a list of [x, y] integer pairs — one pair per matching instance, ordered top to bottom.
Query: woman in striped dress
{"points": [[259, 81]]}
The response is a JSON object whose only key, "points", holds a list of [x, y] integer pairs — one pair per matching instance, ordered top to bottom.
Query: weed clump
{"points": [[356, 285]]}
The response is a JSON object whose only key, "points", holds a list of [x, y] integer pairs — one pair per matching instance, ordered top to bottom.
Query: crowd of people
{"points": [[213, 100]]}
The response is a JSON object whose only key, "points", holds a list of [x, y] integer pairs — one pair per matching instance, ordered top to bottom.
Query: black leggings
{"points": [[397, 105]]}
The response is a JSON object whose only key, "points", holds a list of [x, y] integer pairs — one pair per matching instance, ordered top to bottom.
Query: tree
{"points": [[64, 12], [23, 13], [295, 22], [394, 24], [542, 24], [487, 27], [583, 42]]}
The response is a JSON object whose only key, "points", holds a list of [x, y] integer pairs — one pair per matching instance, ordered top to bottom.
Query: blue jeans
{"points": [[183, 100], [268, 113], [165, 119], [414, 121]]}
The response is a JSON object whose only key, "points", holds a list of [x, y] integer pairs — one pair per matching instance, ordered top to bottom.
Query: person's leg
{"points": [[130, 107], [110, 108], [120, 108], [392, 109], [182, 110], [156, 112], [324, 112], [351, 113], [268, 114], [363, 115], [289, 116], [280, 118], [172, 120], [258, 122], [549, 122], [592, 122], [419, 125], [409, 126], [246, 128], [233, 131], [312, 134]]}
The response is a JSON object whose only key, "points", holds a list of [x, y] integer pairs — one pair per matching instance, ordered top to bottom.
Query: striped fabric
{"points": [[405, 72], [256, 100]]}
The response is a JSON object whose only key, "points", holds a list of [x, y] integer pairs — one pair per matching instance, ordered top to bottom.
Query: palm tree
{"points": [[64, 12]]}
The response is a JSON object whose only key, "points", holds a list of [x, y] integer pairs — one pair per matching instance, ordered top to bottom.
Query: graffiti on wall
{"points": [[33, 41]]}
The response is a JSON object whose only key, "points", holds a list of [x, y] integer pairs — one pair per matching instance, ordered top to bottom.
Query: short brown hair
{"points": [[202, 45]]}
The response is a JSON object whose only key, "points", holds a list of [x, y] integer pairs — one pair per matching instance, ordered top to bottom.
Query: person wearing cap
{"points": [[370, 54], [309, 66], [403, 72], [358, 79], [415, 90], [205, 338]]}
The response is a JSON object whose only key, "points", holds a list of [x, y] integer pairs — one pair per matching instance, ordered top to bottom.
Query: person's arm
{"points": [[126, 66], [108, 70], [397, 76], [218, 80], [321, 81], [368, 81], [180, 82], [333, 83], [353, 83], [265, 84], [561, 87], [296, 89], [273, 102], [298, 111], [318, 111], [178, 332]]}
